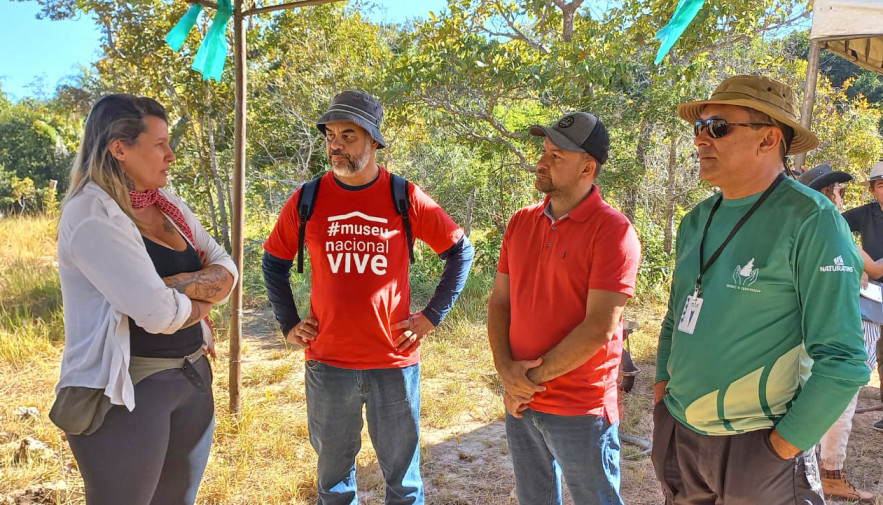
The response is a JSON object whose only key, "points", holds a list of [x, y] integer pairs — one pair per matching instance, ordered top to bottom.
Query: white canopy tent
{"points": [[852, 29]]}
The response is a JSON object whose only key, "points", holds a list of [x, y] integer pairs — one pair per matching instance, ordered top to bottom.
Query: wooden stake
{"points": [[240, 13], [809, 95], [238, 201]]}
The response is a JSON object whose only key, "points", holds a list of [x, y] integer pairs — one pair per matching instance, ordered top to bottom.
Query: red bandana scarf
{"points": [[141, 199]]}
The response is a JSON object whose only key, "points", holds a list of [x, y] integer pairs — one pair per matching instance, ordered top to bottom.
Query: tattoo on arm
{"points": [[206, 284], [196, 315]]}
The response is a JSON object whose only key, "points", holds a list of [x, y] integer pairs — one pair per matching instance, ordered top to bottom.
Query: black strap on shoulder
{"points": [[399, 187], [305, 204]]}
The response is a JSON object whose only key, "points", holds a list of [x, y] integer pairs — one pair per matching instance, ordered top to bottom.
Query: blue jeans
{"points": [[334, 413], [585, 449]]}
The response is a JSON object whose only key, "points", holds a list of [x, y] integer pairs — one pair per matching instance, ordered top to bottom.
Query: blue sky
{"points": [[38, 54]]}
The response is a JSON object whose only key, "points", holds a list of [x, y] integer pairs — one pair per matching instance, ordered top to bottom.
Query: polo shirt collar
{"points": [[582, 211]]}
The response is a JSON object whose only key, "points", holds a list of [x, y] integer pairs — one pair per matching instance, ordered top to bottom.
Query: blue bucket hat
{"points": [[358, 107]]}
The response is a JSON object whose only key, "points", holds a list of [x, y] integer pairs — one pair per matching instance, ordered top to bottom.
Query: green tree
{"points": [[34, 142], [23, 191]]}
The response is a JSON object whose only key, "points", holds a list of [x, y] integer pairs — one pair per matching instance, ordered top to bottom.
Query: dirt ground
{"points": [[468, 463]]}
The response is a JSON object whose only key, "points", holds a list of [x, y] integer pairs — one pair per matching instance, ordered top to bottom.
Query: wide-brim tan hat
{"points": [[761, 93]]}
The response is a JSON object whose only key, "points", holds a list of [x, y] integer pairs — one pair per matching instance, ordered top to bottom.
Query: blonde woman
{"points": [[139, 275]]}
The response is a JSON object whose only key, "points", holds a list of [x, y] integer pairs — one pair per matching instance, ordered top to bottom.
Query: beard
{"points": [[348, 165], [545, 185]]}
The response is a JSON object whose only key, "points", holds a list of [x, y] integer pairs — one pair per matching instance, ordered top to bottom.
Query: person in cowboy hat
{"points": [[827, 181], [867, 221], [360, 338], [737, 410], [832, 446]]}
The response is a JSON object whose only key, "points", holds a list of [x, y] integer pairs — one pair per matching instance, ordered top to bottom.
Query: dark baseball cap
{"points": [[358, 107], [578, 131]]}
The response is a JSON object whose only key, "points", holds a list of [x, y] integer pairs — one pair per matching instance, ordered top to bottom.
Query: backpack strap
{"points": [[402, 203], [305, 204]]}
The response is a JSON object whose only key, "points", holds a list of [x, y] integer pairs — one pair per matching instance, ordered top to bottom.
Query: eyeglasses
{"points": [[717, 128], [834, 189]]}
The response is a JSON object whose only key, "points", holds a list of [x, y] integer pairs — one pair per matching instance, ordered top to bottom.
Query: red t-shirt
{"points": [[359, 258], [551, 268]]}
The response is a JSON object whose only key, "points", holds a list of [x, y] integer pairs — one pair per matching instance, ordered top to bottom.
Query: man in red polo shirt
{"points": [[567, 268]]}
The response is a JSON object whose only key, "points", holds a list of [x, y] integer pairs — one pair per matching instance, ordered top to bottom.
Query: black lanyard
{"points": [[717, 204]]}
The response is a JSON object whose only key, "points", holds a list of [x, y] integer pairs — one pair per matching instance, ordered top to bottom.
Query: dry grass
{"points": [[263, 455]]}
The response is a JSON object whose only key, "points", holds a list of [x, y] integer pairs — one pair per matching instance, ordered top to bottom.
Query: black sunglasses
{"points": [[717, 128]]}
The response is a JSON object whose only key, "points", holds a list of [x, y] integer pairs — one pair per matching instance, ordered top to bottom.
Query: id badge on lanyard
{"points": [[693, 305], [690, 315]]}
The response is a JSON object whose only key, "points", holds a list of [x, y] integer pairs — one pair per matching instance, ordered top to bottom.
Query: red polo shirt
{"points": [[551, 268]]}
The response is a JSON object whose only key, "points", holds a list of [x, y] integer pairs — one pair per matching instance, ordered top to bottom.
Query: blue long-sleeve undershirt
{"points": [[458, 261]]}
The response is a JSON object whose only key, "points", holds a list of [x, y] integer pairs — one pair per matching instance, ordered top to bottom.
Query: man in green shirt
{"points": [[752, 368]]}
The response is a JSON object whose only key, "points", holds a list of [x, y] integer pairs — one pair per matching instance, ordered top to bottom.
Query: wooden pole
{"points": [[240, 13], [809, 94], [238, 201]]}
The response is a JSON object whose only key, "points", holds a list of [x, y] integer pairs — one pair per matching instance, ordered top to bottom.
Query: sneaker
{"points": [[878, 425], [835, 485]]}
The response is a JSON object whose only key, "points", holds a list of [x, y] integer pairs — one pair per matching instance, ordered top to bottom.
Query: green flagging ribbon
{"points": [[670, 33], [212, 53]]}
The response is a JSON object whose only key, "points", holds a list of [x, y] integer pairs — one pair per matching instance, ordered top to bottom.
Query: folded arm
{"points": [[874, 269], [211, 284], [603, 314]]}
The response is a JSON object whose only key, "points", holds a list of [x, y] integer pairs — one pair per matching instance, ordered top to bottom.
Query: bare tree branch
{"points": [[204, 3], [288, 5], [569, 12], [516, 33], [742, 38], [482, 115], [485, 115], [498, 140]]}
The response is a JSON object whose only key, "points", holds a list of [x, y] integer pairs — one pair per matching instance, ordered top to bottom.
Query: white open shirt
{"points": [[106, 278]]}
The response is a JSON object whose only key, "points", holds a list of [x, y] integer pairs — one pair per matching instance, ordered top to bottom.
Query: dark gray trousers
{"points": [[156, 454], [738, 469]]}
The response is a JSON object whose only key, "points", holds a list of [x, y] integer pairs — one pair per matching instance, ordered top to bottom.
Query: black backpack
{"points": [[307, 201]]}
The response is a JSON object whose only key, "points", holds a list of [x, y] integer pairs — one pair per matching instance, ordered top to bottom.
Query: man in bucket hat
{"points": [[867, 221], [567, 267], [760, 268], [360, 339]]}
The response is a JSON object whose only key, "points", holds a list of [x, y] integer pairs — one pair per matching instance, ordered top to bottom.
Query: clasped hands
{"points": [[414, 329], [518, 388]]}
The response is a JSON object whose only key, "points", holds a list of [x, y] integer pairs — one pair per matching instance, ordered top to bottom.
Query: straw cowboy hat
{"points": [[763, 94]]}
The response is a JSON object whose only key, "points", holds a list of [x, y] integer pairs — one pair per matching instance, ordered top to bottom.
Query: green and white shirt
{"points": [[778, 340]]}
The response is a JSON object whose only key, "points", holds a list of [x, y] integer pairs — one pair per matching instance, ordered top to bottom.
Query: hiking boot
{"points": [[878, 425], [835, 485]]}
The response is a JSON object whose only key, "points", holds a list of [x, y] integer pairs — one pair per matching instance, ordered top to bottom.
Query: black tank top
{"points": [[183, 342]]}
